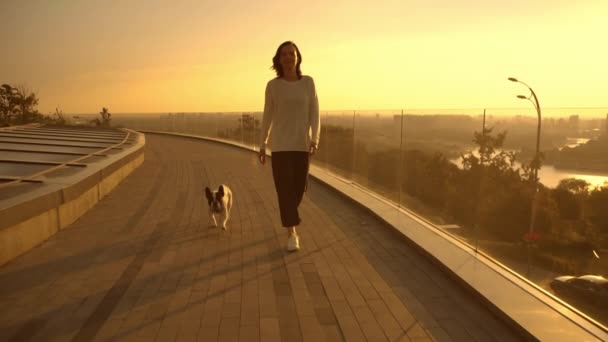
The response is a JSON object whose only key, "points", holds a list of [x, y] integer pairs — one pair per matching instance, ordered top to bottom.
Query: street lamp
{"points": [[536, 161], [535, 167]]}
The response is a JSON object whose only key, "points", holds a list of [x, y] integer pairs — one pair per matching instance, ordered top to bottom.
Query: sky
{"points": [[204, 56]]}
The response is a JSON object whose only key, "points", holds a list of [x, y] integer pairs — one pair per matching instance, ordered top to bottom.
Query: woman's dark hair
{"points": [[276, 63]]}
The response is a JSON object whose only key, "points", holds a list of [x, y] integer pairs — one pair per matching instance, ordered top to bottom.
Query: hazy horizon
{"points": [[588, 113]]}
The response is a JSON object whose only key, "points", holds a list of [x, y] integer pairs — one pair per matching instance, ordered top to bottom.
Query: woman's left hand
{"points": [[313, 149]]}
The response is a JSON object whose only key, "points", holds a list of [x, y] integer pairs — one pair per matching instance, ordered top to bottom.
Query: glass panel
{"points": [[250, 125], [336, 143], [376, 152]]}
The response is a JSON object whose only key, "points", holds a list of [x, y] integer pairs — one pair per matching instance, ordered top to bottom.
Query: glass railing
{"points": [[476, 184]]}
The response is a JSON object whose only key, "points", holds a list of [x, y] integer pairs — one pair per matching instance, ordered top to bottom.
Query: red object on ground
{"points": [[532, 236]]}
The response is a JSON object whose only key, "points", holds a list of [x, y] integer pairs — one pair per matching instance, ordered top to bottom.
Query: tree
{"points": [[27, 101], [8, 103], [18, 105], [59, 117], [105, 117], [488, 144], [489, 157], [428, 177], [574, 185], [569, 196], [598, 205], [569, 207], [505, 213]]}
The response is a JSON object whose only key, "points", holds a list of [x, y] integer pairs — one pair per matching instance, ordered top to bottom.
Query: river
{"points": [[550, 176]]}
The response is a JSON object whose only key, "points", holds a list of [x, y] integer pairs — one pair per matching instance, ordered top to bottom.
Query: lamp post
{"points": [[535, 162]]}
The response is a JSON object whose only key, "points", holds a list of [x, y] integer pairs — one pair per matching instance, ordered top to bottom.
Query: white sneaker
{"points": [[293, 243]]}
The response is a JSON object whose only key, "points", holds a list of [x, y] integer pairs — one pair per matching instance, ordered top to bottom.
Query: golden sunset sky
{"points": [[198, 56]]}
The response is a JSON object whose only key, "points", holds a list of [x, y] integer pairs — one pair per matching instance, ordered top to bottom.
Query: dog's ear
{"points": [[220, 191], [208, 194]]}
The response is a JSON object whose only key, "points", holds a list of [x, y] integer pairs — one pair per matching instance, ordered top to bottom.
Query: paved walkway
{"points": [[143, 265]]}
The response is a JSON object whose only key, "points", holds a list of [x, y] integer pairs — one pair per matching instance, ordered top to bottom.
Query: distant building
{"points": [[573, 123]]}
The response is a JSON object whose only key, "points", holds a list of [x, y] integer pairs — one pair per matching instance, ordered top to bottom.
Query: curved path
{"points": [[143, 265]]}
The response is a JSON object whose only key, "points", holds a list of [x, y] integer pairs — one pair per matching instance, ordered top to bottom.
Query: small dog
{"points": [[220, 202]]}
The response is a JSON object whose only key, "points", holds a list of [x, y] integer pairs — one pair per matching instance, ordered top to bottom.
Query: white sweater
{"points": [[291, 115]]}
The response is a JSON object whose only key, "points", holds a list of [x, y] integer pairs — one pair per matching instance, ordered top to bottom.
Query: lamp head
{"points": [[513, 79], [522, 97]]}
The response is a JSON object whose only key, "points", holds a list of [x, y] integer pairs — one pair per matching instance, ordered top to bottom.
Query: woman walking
{"points": [[291, 127]]}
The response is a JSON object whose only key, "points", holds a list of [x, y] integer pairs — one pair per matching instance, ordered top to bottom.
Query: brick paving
{"points": [[144, 265]]}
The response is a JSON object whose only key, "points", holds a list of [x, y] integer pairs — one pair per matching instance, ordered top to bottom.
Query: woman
{"points": [[291, 120]]}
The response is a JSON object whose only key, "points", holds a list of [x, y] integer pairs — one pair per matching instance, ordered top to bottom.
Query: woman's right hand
{"points": [[262, 156]]}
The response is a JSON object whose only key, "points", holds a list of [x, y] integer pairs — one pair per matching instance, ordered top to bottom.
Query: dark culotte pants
{"points": [[290, 173]]}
